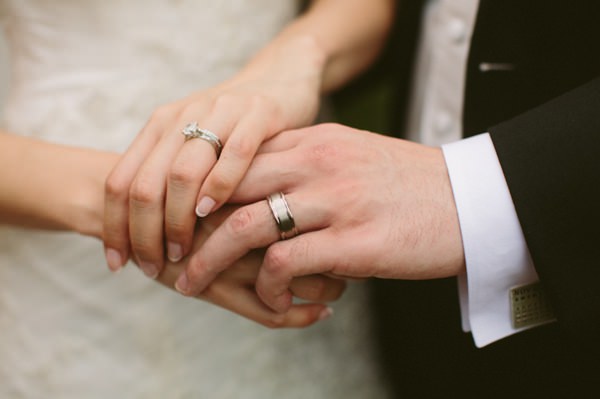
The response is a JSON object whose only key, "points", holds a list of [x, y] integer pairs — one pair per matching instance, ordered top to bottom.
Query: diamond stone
{"points": [[190, 130]]}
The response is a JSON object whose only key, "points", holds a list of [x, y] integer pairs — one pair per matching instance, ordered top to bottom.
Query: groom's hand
{"points": [[364, 205], [234, 288]]}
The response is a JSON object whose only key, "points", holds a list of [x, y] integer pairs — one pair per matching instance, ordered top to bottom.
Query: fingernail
{"points": [[204, 207], [174, 252], [113, 258], [150, 269], [182, 283], [325, 314]]}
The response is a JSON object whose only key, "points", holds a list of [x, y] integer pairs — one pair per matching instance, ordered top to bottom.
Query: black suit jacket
{"points": [[544, 119]]}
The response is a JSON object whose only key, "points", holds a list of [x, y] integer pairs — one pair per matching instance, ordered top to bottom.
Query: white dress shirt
{"points": [[496, 254]]}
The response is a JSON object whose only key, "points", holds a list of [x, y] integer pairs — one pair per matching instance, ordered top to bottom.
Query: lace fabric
{"points": [[89, 73]]}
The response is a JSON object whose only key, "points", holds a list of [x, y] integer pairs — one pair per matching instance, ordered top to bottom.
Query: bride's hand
{"points": [[319, 51], [152, 193], [234, 288]]}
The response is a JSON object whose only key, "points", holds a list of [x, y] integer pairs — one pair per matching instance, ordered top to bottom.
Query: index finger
{"points": [[238, 152], [249, 227], [246, 228]]}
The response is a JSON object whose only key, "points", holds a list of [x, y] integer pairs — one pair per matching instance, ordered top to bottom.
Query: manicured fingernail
{"points": [[204, 207], [174, 252], [113, 258], [150, 269], [182, 283], [325, 314]]}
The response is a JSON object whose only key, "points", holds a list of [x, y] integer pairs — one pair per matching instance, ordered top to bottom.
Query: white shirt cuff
{"points": [[496, 254]]}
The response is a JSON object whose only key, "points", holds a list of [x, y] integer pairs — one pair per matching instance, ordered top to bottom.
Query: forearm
{"points": [[336, 38], [49, 186]]}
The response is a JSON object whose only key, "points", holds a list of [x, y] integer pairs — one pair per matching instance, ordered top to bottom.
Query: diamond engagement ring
{"points": [[192, 131], [283, 215]]}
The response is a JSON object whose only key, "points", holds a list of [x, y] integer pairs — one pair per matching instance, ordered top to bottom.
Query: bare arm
{"points": [[347, 36], [49, 186], [52, 186]]}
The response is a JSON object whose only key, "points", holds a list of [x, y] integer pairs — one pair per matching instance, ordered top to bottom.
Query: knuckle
{"points": [[225, 101], [162, 113], [241, 147], [323, 155], [182, 174], [221, 181], [116, 187], [143, 193], [240, 222], [299, 249], [276, 260], [196, 273], [201, 275]]}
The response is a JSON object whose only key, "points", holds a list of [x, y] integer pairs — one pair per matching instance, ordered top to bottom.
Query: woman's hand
{"points": [[162, 179], [72, 200], [234, 288]]}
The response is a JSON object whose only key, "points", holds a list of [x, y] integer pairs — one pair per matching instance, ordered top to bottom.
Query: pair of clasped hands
{"points": [[364, 205]]}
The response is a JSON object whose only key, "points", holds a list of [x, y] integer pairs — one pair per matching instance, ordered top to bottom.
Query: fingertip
{"points": [[205, 206], [174, 252], [114, 259], [150, 269], [182, 285], [187, 286], [325, 314], [306, 315]]}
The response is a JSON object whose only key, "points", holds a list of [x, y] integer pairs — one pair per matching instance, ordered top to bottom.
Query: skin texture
{"points": [[162, 182], [47, 192], [365, 206], [234, 289]]}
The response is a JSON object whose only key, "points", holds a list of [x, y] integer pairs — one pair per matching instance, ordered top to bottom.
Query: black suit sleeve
{"points": [[550, 157]]}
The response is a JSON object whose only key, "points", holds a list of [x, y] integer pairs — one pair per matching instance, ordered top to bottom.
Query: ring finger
{"points": [[190, 167], [146, 201], [249, 227]]}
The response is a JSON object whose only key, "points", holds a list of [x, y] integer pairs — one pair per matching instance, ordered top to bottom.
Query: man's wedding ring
{"points": [[192, 131], [283, 215]]}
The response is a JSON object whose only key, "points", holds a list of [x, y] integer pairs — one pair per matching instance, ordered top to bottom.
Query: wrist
{"points": [[291, 57], [52, 187], [85, 196], [449, 243]]}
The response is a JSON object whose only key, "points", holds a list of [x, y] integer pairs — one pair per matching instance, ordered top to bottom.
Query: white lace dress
{"points": [[89, 73]]}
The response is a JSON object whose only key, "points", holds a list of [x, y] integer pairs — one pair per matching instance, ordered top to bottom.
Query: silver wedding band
{"points": [[192, 131], [283, 215]]}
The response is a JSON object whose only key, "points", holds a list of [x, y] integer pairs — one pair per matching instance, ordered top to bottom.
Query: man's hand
{"points": [[365, 205], [234, 288]]}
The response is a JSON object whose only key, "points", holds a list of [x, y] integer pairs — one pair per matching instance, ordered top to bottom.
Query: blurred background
{"points": [[3, 69], [374, 102]]}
